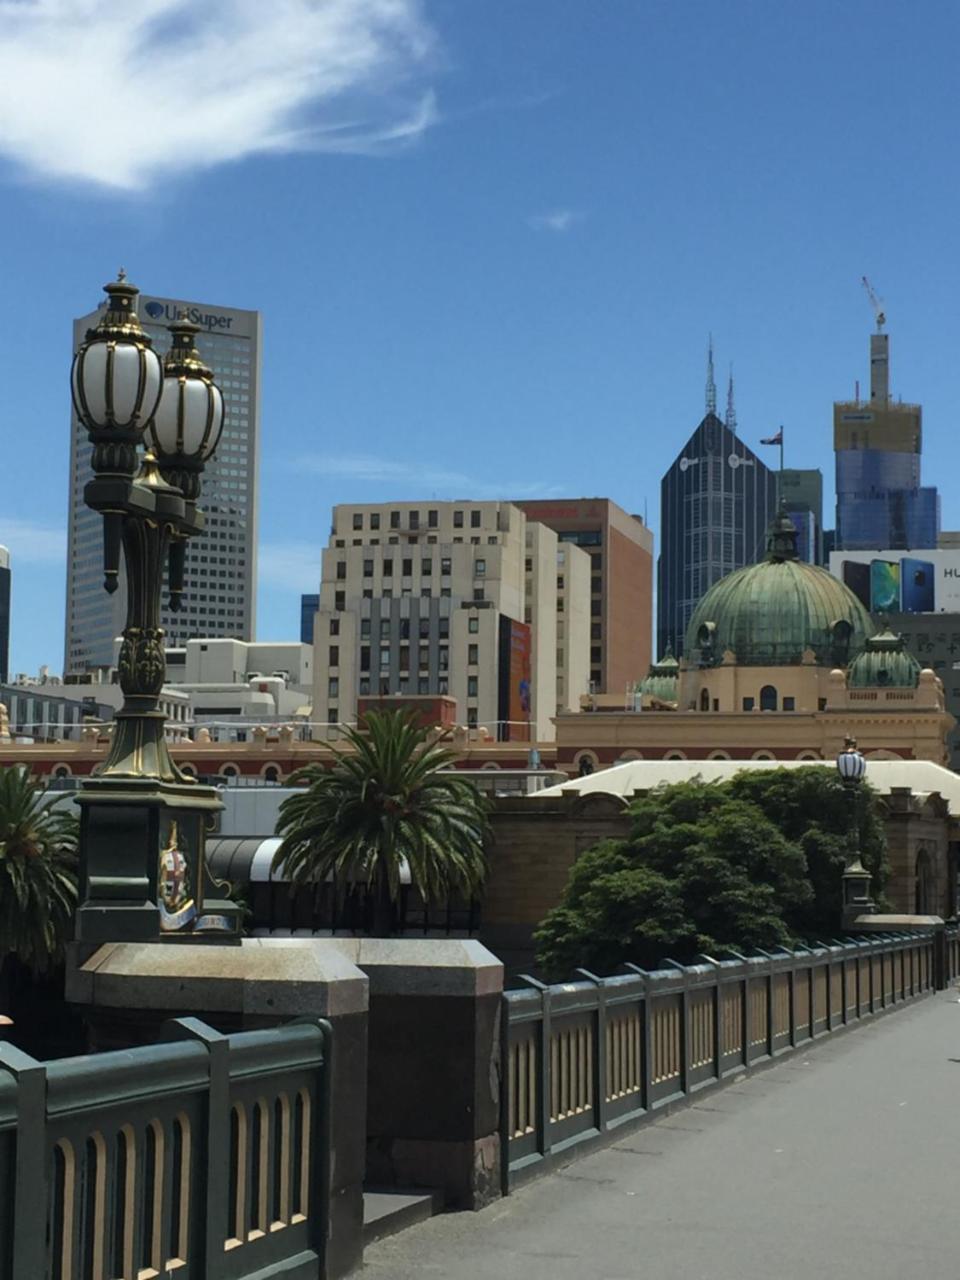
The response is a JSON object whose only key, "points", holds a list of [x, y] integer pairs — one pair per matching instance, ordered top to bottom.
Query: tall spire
{"points": [[711, 385], [731, 418]]}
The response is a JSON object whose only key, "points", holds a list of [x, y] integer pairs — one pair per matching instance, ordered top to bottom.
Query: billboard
{"points": [[901, 581], [515, 681]]}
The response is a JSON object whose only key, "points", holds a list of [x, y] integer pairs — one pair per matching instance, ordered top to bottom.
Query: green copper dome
{"points": [[769, 613], [885, 661], [662, 679]]}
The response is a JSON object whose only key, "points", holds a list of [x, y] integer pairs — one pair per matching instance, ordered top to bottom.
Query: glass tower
{"points": [[716, 503], [881, 503], [220, 595]]}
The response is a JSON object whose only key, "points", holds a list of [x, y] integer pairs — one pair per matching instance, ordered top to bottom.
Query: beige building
{"points": [[464, 599]]}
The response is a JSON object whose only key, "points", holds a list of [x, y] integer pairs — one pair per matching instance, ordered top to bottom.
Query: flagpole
{"points": [[780, 483]]}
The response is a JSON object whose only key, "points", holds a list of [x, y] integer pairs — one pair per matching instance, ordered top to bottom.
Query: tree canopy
{"points": [[755, 861]]}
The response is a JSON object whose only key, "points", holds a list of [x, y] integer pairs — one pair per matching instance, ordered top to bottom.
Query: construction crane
{"points": [[875, 303]]}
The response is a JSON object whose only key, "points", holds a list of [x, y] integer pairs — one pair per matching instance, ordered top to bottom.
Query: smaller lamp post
{"points": [[852, 768]]}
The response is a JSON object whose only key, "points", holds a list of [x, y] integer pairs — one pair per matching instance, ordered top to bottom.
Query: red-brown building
{"points": [[621, 598]]}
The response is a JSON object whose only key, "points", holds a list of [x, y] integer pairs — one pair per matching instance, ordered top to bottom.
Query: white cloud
{"points": [[119, 95], [559, 220], [421, 482], [30, 542], [291, 565]]}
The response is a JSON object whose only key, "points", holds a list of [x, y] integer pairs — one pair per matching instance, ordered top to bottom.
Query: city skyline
{"points": [[445, 318]]}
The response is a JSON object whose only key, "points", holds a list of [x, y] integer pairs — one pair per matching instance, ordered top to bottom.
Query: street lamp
{"points": [[852, 768], [143, 822]]}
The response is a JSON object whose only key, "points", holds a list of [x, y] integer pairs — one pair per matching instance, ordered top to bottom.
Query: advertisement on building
{"points": [[901, 581], [514, 681]]}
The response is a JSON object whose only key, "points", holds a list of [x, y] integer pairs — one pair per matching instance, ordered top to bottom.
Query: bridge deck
{"points": [[841, 1161]]}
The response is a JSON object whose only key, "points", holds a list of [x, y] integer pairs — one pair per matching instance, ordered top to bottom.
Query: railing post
{"points": [[940, 959], [600, 1057], [505, 1069], [545, 1083], [217, 1188], [31, 1196]]}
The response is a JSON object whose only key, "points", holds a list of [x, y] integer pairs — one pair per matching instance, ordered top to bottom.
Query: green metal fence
{"points": [[583, 1058], [204, 1157]]}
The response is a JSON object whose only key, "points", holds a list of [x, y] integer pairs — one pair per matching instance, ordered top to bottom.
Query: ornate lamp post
{"points": [[852, 768], [143, 873]]}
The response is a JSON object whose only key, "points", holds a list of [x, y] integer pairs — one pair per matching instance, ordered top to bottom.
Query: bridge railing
{"points": [[582, 1058], [204, 1157]]}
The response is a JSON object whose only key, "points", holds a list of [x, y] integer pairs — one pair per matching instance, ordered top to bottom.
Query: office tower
{"points": [[877, 443], [802, 491], [716, 503], [620, 547], [220, 597], [464, 599], [309, 604], [4, 615]]}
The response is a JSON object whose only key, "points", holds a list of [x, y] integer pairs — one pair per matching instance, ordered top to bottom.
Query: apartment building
{"points": [[463, 599]]}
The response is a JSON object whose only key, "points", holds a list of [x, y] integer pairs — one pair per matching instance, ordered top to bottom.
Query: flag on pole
{"points": [[777, 439]]}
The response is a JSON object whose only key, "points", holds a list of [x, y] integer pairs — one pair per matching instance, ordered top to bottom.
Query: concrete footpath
{"points": [[841, 1161]]}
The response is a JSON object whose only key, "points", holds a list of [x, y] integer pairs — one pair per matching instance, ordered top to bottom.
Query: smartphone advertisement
{"points": [[901, 581]]}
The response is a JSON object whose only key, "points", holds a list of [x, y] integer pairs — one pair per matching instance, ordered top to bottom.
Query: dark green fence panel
{"points": [[580, 1059], [204, 1157]]}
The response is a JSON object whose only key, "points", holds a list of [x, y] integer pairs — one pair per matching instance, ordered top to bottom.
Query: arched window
{"points": [[768, 698], [704, 700], [271, 773]]}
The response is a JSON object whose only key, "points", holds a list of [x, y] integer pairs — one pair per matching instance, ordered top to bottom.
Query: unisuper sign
{"points": [[208, 320]]}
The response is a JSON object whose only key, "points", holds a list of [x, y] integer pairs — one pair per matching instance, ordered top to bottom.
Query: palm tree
{"points": [[391, 798], [38, 874]]}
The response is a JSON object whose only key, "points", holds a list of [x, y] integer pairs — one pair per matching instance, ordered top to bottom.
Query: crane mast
{"points": [[875, 303]]}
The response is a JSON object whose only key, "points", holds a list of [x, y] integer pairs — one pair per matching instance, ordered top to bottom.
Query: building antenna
{"points": [[711, 385], [731, 418]]}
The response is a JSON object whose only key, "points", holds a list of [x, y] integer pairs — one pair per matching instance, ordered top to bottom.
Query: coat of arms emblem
{"points": [[174, 895]]}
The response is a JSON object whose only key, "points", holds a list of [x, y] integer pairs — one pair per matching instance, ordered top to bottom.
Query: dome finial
{"points": [[782, 536]]}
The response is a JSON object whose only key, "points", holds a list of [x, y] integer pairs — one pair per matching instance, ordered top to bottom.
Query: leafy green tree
{"points": [[391, 797], [813, 808], [753, 862], [38, 873]]}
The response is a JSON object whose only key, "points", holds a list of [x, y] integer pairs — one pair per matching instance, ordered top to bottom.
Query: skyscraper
{"points": [[877, 443], [716, 502], [220, 599], [4, 615]]}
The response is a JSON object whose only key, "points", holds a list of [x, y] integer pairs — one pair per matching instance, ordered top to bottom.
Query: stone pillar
{"points": [[127, 991], [433, 1091]]}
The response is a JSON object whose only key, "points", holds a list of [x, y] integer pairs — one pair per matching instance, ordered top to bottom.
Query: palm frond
{"points": [[389, 798]]}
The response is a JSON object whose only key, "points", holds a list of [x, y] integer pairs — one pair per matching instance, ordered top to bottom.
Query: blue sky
{"points": [[489, 238]]}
